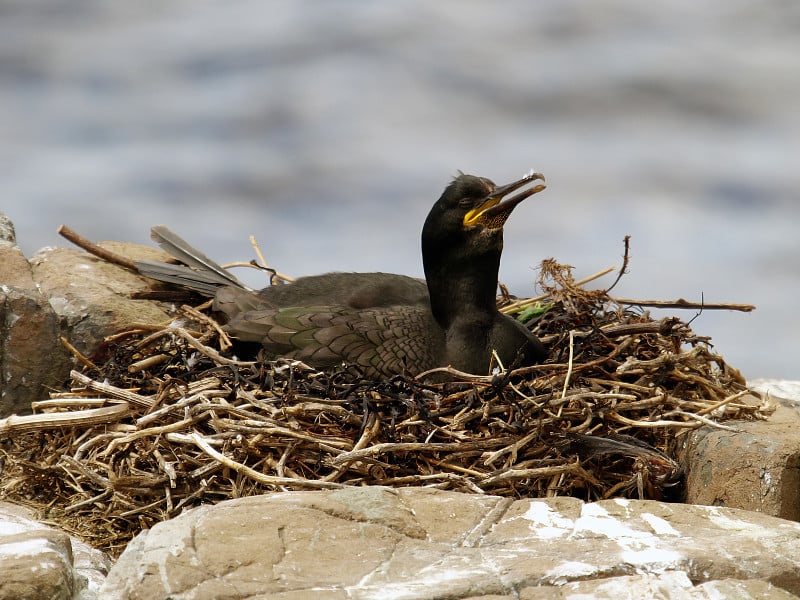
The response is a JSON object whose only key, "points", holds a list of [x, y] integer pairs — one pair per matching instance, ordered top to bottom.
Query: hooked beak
{"points": [[493, 213]]}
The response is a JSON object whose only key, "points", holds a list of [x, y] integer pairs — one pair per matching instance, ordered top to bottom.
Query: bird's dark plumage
{"points": [[382, 323]]}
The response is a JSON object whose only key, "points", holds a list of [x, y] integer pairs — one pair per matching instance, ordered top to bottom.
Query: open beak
{"points": [[493, 212]]}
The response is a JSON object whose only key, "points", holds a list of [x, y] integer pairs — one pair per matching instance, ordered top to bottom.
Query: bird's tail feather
{"points": [[202, 274]]}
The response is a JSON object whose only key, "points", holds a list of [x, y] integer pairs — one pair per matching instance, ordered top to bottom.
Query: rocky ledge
{"points": [[377, 542], [416, 543]]}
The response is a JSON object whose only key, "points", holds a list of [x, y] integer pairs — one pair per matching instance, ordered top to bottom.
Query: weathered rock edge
{"points": [[372, 542], [37, 561]]}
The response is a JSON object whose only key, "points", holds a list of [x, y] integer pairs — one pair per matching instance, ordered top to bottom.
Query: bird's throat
{"points": [[464, 292]]}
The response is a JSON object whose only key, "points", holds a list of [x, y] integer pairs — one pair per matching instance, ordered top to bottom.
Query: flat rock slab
{"points": [[373, 542]]}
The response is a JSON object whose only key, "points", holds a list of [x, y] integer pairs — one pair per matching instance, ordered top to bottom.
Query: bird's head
{"points": [[467, 220]]}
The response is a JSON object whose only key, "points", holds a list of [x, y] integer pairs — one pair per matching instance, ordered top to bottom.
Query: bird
{"points": [[383, 324]]}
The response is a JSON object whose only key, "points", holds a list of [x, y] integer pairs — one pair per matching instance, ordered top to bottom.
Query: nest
{"points": [[172, 419]]}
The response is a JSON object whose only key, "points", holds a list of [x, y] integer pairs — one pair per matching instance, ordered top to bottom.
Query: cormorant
{"points": [[384, 324]]}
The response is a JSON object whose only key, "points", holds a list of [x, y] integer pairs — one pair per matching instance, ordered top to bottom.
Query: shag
{"points": [[381, 323]]}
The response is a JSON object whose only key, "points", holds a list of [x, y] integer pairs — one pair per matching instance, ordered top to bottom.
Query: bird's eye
{"points": [[466, 202]]}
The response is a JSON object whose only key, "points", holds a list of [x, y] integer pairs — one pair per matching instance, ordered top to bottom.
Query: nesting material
{"points": [[168, 418]]}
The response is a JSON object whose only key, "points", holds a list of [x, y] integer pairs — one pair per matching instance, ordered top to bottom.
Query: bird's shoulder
{"points": [[353, 290]]}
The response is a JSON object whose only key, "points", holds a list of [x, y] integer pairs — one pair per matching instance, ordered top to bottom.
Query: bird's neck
{"points": [[463, 292]]}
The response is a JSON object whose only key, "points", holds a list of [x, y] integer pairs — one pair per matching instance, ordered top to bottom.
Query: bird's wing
{"points": [[381, 341]]}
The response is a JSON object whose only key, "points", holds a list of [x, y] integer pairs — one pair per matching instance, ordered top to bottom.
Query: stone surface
{"points": [[7, 233], [61, 292], [92, 297], [32, 359], [787, 392], [757, 466], [364, 543], [39, 562], [669, 586]]}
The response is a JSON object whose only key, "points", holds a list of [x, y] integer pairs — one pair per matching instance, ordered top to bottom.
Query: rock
{"points": [[7, 233], [15, 272], [61, 292], [92, 297], [32, 359], [785, 392], [756, 467], [372, 542], [38, 562], [671, 585]]}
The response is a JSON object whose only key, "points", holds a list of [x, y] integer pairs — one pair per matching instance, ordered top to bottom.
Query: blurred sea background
{"points": [[327, 129]]}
